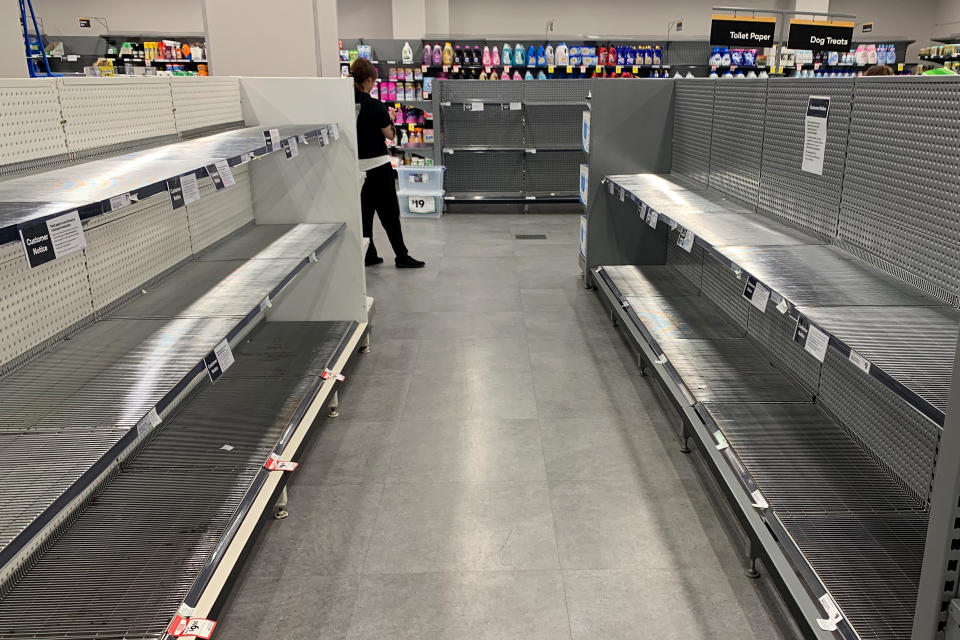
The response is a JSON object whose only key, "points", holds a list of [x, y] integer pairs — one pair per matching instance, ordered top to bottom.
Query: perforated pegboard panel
{"points": [[681, 52], [555, 91], [501, 92], [205, 102], [112, 113], [495, 126], [548, 126], [30, 128], [692, 128], [737, 140], [488, 172], [552, 172], [901, 192], [805, 199], [218, 214], [134, 249], [689, 265], [721, 286], [39, 304], [773, 332], [899, 437]]}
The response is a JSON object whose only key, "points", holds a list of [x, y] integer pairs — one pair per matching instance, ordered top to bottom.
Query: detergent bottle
{"points": [[406, 54], [427, 54], [437, 54], [448, 54], [563, 54], [507, 55], [495, 57], [519, 57], [531, 57], [486, 59], [551, 59], [528, 75]]}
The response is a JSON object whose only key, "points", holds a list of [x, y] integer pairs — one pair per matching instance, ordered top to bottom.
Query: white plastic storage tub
{"points": [[426, 180], [420, 205]]}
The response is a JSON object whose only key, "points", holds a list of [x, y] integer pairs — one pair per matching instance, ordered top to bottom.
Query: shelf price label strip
{"points": [[821, 338]]}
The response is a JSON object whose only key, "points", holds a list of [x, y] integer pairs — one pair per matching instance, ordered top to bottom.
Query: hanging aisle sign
{"points": [[736, 31], [820, 35], [815, 134]]}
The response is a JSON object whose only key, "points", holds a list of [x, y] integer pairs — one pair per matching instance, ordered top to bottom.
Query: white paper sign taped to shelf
{"points": [[476, 106], [516, 106], [335, 130], [815, 134], [324, 136], [271, 138], [302, 139], [291, 149], [246, 157], [226, 173], [610, 187], [190, 188], [621, 193], [121, 201], [652, 218], [686, 239], [46, 240], [757, 294], [265, 304], [783, 306], [814, 340], [219, 360], [859, 361], [330, 373], [149, 421], [721, 440], [759, 501], [833, 613], [199, 628]]}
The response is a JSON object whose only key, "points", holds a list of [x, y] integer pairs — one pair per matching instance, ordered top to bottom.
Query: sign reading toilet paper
{"points": [[815, 134]]}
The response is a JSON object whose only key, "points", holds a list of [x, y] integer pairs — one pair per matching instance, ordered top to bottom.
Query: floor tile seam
{"points": [[366, 552]]}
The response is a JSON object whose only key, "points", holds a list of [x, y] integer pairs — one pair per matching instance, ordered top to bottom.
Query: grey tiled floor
{"points": [[499, 470]]}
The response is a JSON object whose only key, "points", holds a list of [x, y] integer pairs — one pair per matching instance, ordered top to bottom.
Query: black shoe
{"points": [[372, 261], [406, 262]]}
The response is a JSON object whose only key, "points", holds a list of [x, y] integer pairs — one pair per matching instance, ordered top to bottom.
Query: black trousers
{"points": [[379, 195]]}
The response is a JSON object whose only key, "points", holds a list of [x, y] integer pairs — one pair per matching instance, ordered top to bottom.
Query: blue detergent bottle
{"points": [[507, 55], [531, 57], [519, 58]]}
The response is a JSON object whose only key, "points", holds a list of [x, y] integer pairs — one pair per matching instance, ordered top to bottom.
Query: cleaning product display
{"points": [[941, 53]]}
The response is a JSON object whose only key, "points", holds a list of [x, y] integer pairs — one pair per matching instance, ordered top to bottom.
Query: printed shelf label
{"points": [[815, 135], [271, 138], [290, 148], [220, 174], [190, 188], [121, 201], [686, 239], [46, 240], [756, 294], [814, 340], [219, 360], [859, 361]]}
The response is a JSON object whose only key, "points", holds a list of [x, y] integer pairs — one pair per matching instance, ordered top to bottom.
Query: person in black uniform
{"points": [[379, 194]]}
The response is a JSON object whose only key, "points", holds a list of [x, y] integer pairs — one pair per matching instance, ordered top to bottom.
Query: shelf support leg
{"points": [[365, 342], [641, 365], [334, 405], [684, 439], [280, 509], [751, 570]]}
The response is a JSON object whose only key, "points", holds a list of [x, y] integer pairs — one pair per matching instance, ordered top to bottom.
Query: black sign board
{"points": [[84, 23], [867, 27], [734, 31], [820, 36], [214, 174], [176, 192], [37, 243], [214, 370]]}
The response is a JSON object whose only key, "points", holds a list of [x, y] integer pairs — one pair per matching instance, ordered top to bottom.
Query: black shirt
{"points": [[371, 120]]}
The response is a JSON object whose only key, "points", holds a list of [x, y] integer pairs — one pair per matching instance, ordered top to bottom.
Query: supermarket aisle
{"points": [[499, 470]]}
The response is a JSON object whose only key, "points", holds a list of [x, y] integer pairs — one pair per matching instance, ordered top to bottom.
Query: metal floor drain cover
{"points": [[530, 236]]}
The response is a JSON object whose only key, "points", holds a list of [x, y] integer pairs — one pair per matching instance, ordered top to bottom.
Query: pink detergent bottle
{"points": [[427, 54], [495, 57], [487, 60], [517, 76]]}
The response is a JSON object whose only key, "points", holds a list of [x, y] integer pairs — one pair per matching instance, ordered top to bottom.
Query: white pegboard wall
{"points": [[204, 102], [111, 112], [30, 127], [217, 215], [134, 249], [39, 304]]}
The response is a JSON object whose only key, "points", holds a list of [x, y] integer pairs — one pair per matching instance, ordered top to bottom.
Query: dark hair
{"points": [[361, 70], [879, 70]]}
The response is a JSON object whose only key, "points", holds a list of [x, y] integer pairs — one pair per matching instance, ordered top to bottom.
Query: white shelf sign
{"points": [[476, 106], [516, 106], [335, 129], [815, 134], [324, 136], [271, 138], [290, 149], [220, 174], [190, 189], [121, 201], [652, 218], [686, 239], [46, 240], [757, 294], [814, 340], [219, 360], [859, 361], [833, 613]]}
